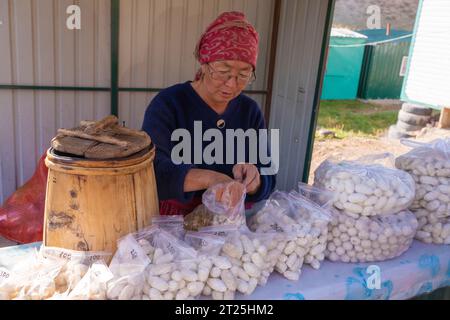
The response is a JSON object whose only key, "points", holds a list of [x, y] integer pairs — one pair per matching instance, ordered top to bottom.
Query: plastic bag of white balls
{"points": [[429, 165], [366, 189], [322, 197], [221, 204], [272, 218], [174, 224], [310, 224], [433, 229], [367, 239], [249, 256], [130, 257], [75, 265], [128, 265], [176, 271], [32, 280], [221, 283], [93, 286]]}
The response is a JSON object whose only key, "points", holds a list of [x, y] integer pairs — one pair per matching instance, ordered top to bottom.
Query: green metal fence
{"points": [[343, 68], [380, 74]]}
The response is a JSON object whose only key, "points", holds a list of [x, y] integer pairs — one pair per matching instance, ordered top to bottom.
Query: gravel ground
{"points": [[401, 14], [356, 147]]}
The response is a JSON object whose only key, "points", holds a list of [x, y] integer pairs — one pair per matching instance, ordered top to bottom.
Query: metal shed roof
{"points": [[346, 33]]}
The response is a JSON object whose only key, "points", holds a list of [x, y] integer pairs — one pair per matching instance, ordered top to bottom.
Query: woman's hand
{"points": [[248, 175], [217, 177], [201, 179]]}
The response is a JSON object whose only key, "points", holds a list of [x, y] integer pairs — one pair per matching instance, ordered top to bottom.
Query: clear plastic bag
{"points": [[434, 151], [429, 165], [366, 189], [322, 197], [221, 204], [303, 208], [273, 218], [312, 219], [304, 221], [173, 224], [433, 229], [369, 239], [206, 244], [209, 247], [250, 257], [130, 258], [75, 265], [128, 267], [172, 274], [4, 275], [32, 280], [222, 282], [93, 285], [8, 289]]}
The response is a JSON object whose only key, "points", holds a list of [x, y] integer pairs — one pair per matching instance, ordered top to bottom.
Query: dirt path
{"points": [[356, 147], [352, 148]]}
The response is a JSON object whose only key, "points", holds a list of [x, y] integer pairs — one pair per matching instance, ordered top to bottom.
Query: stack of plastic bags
{"points": [[429, 165], [369, 208], [303, 223]]}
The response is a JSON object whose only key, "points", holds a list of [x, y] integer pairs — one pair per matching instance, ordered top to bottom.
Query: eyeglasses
{"points": [[241, 79]]}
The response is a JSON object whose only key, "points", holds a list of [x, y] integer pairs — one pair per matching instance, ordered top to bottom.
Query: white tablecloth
{"points": [[423, 268]]}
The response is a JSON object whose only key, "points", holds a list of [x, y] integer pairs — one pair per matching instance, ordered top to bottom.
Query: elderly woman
{"points": [[227, 52]]}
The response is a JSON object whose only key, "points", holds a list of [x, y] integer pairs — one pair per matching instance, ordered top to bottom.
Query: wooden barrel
{"points": [[91, 203]]}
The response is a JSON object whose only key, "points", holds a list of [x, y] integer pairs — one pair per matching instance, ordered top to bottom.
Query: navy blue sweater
{"points": [[178, 107]]}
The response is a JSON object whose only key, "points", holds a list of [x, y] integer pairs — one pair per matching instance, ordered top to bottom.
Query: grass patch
{"points": [[355, 118]]}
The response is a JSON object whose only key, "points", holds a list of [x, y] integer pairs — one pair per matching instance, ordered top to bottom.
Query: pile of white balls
{"points": [[430, 170], [366, 190], [370, 217], [306, 234], [365, 239], [247, 259], [174, 272]]}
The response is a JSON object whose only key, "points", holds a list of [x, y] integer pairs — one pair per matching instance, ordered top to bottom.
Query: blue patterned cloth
{"points": [[422, 269]]}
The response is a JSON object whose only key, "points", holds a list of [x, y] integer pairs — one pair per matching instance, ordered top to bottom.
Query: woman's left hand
{"points": [[248, 175]]}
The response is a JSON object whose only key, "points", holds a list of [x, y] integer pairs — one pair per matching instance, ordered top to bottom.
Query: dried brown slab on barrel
{"points": [[96, 127], [107, 136], [104, 139], [72, 145], [97, 150], [110, 151]]}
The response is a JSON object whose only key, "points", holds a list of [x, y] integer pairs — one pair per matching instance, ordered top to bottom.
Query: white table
{"points": [[423, 268]]}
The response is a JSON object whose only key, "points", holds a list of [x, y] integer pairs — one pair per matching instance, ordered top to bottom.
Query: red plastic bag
{"points": [[22, 215]]}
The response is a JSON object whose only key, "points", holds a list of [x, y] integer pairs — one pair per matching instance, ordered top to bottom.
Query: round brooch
{"points": [[220, 123]]}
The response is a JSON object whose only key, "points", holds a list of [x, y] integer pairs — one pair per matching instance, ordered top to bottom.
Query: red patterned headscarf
{"points": [[229, 37]]}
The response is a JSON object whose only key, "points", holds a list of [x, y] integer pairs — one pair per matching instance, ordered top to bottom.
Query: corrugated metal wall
{"points": [[157, 41], [36, 48], [298, 59]]}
